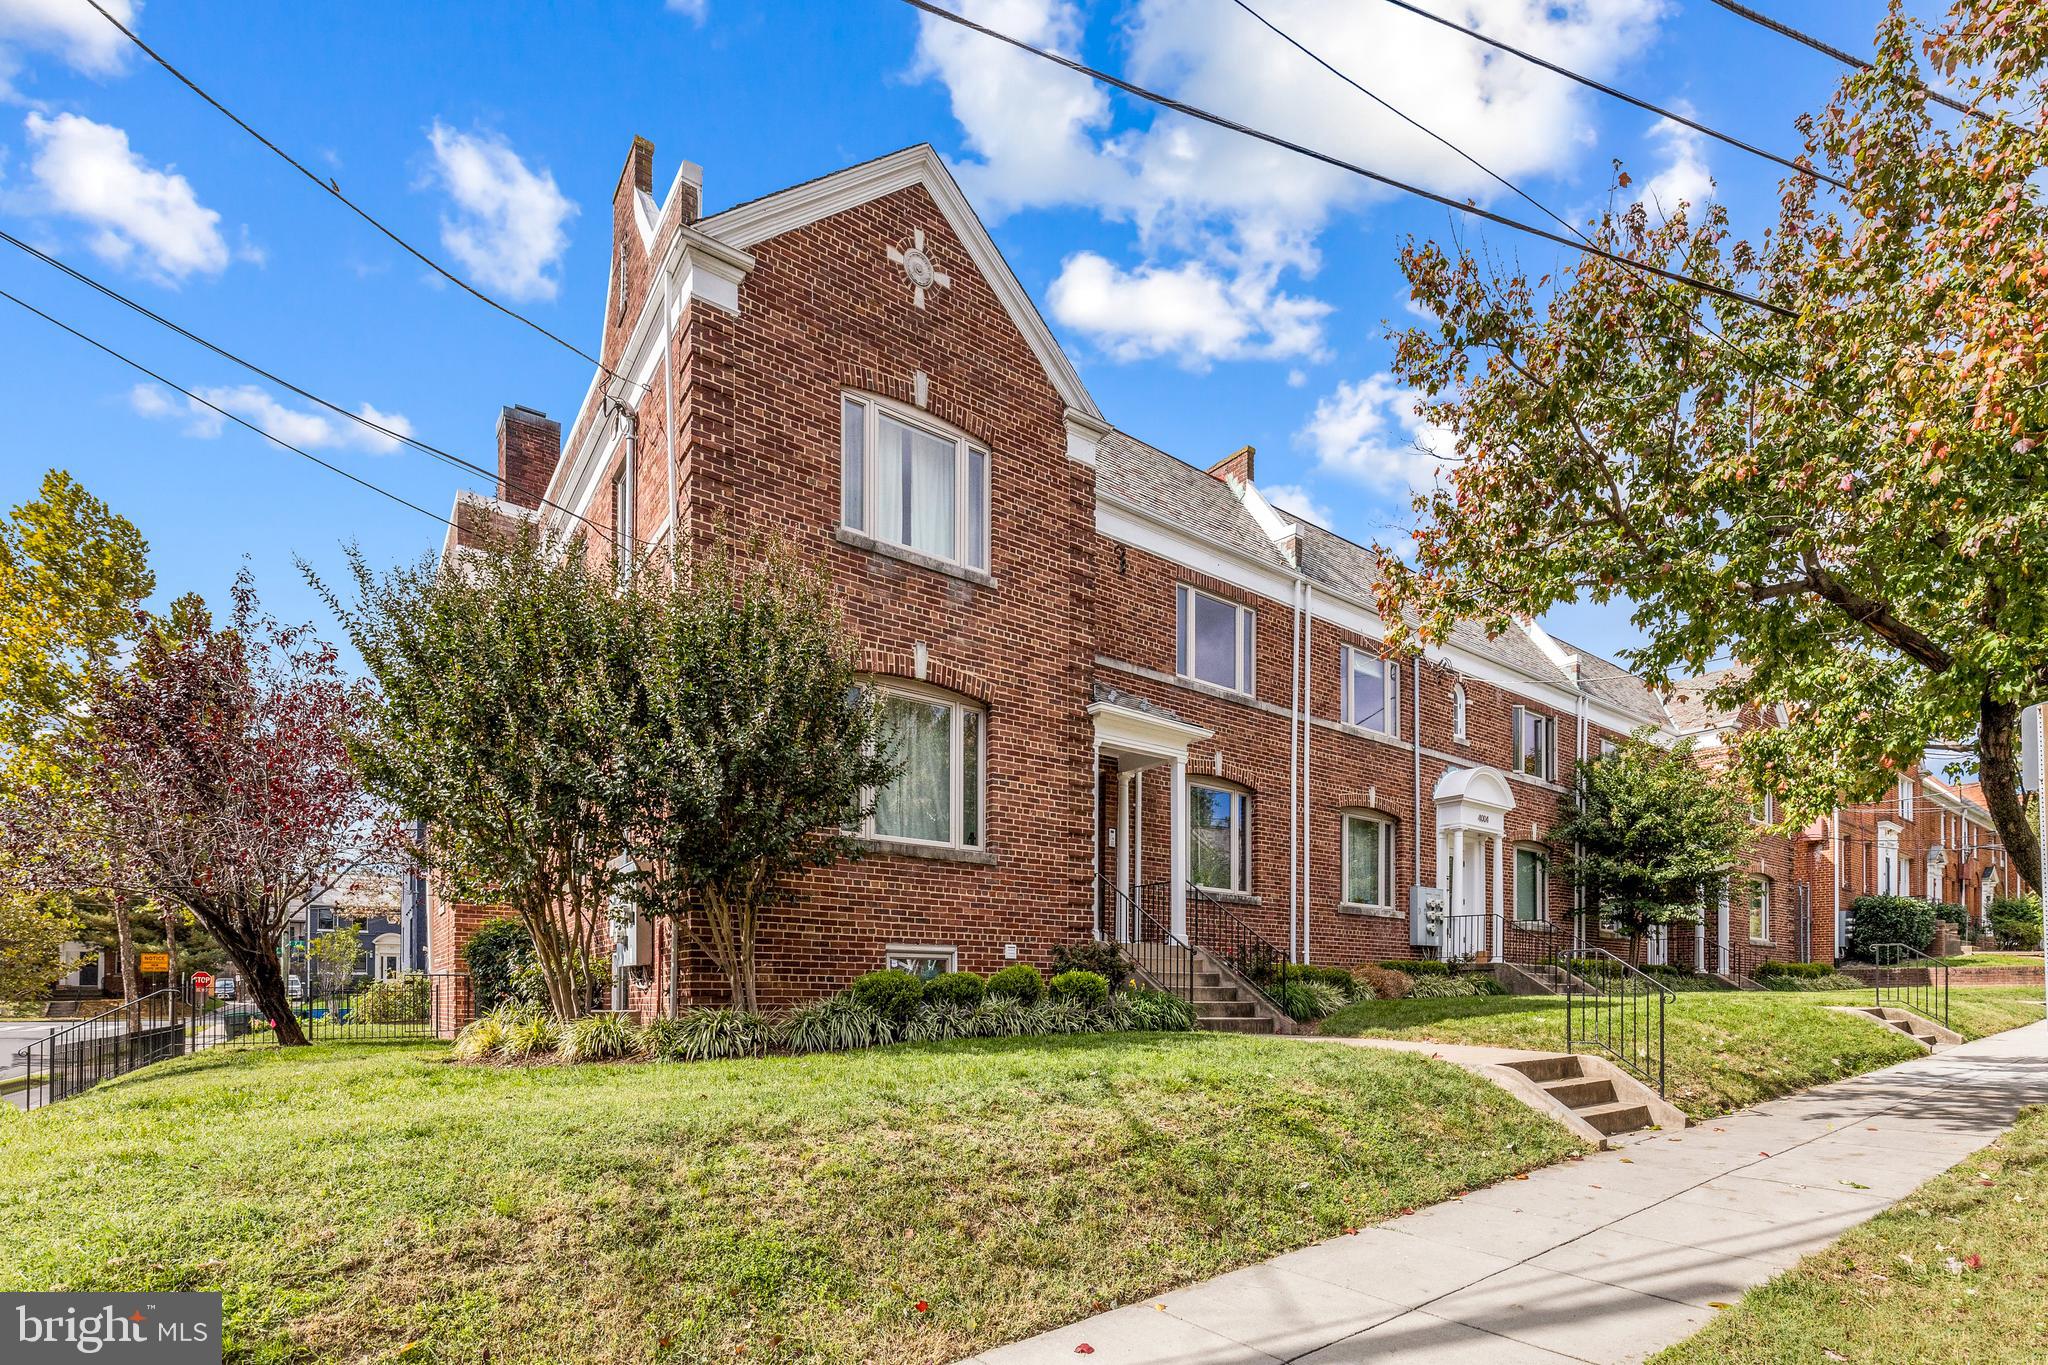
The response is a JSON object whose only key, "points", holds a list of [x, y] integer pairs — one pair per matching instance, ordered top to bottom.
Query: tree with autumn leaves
{"points": [[1840, 484]]}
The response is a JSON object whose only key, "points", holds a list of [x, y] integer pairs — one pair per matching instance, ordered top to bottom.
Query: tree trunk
{"points": [[1999, 774], [170, 919], [124, 948], [266, 987]]}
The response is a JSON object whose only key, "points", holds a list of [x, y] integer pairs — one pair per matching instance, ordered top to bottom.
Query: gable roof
{"points": [[802, 204]]}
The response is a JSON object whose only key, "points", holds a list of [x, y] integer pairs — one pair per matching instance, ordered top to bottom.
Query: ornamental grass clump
{"points": [[1158, 1011], [935, 1022], [836, 1024], [706, 1035], [533, 1037], [601, 1038]]}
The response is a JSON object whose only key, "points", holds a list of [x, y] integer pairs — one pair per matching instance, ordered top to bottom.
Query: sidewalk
{"points": [[1607, 1258]]}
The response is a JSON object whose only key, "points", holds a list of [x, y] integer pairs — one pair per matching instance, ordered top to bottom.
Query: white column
{"points": [[1177, 846], [1123, 855], [1461, 894], [1499, 903], [1722, 942]]}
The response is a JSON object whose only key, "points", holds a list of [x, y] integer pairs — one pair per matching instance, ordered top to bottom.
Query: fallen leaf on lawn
{"points": [[1629, 1160], [1523, 1176], [1974, 1261], [922, 1306], [1084, 1349], [1834, 1355]]}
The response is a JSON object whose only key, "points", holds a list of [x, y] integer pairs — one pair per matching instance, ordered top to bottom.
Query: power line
{"points": [[1846, 58], [1615, 93], [1245, 130], [334, 189], [215, 407], [390, 433]]}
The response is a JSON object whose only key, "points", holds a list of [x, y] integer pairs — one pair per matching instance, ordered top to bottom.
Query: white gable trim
{"points": [[802, 205]]}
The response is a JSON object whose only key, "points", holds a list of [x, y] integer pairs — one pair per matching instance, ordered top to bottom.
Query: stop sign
{"points": [[202, 983]]}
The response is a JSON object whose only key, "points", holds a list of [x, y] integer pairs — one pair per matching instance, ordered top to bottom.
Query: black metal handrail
{"points": [[1218, 931], [1462, 938], [1166, 961], [1892, 982], [1612, 1007], [72, 1060]]}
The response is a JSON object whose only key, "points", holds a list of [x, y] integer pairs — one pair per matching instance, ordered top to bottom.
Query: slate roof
{"points": [[1178, 492], [1691, 713]]}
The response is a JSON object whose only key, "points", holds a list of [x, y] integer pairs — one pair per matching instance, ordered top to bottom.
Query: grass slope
{"points": [[1725, 1049], [362, 1203], [1902, 1286]]}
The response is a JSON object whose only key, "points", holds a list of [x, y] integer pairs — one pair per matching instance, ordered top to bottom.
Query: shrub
{"points": [[1952, 914], [1889, 919], [2016, 922], [496, 955], [1105, 959], [1422, 966], [1766, 971], [1334, 978], [1685, 979], [1828, 980], [1021, 981], [1384, 983], [1446, 987], [964, 989], [1087, 989], [893, 994], [1296, 999], [394, 1000], [1158, 1011], [1000, 1016], [1058, 1016], [936, 1021], [839, 1024], [534, 1035], [704, 1035], [600, 1038], [479, 1039]]}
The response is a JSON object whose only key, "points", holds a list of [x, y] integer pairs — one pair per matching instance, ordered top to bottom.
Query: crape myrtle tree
{"points": [[1848, 497], [505, 699], [757, 750], [214, 775], [1652, 835]]}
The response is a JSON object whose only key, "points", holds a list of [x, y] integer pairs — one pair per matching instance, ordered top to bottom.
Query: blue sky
{"points": [[1213, 294]]}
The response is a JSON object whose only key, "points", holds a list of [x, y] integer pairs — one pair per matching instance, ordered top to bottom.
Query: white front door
{"points": [[1657, 945]]}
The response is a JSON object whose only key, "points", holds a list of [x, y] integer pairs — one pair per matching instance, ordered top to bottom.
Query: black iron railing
{"points": [[1218, 931], [1462, 938], [1166, 961], [1909, 979], [1613, 1008], [172, 1023]]}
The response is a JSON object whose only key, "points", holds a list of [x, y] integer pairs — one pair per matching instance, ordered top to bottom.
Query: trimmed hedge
{"points": [[1889, 919], [2016, 922], [1104, 959], [1422, 966], [1805, 969], [1020, 981], [964, 989], [1089, 990], [894, 994]]}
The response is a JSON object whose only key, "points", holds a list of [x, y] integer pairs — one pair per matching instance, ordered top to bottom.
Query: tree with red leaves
{"points": [[215, 776]]}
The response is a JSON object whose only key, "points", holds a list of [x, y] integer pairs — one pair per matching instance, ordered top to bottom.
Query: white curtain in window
{"points": [[914, 489], [919, 803], [1363, 863]]}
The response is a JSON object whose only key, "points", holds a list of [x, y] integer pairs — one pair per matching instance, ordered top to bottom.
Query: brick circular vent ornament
{"points": [[918, 267]]}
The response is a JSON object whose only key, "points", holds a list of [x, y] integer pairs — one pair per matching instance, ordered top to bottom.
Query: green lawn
{"points": [[1991, 960], [1725, 1049], [369, 1203], [1956, 1272]]}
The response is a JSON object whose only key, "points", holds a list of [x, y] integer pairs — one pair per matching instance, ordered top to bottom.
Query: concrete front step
{"points": [[1233, 1008], [1236, 1024], [1925, 1032], [1582, 1092], [1601, 1099], [1622, 1116]]}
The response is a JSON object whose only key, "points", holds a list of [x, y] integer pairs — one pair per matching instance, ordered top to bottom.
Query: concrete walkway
{"points": [[1607, 1258]]}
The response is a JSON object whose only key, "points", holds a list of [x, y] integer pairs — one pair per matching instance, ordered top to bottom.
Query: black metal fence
{"points": [[1146, 921], [1218, 931], [1907, 978], [1613, 1008], [174, 1023]]}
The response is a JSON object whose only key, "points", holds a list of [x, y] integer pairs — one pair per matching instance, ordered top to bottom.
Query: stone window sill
{"points": [[861, 540], [939, 853], [1226, 897], [1370, 911]]}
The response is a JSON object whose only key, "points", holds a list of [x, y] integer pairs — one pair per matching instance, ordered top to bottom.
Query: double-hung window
{"points": [[908, 482], [622, 519], [1215, 640], [1372, 687], [1535, 744], [1906, 790], [936, 797], [1219, 837], [1368, 862], [1532, 886], [1760, 909]]}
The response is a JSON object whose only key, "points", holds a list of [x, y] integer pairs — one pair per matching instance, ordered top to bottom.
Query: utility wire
{"points": [[1846, 58], [1619, 94], [1245, 130], [334, 189], [215, 407], [401, 437]]}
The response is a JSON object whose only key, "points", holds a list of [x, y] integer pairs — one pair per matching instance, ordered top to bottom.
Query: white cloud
{"points": [[694, 10], [70, 29], [1685, 177], [1242, 213], [142, 217], [509, 228], [1191, 311], [294, 426], [1369, 431], [1292, 497]]}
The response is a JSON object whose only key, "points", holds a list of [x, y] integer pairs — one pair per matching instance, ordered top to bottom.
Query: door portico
{"points": [[1142, 738], [1472, 806]]}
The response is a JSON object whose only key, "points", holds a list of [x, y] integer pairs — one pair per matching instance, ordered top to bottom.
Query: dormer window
{"points": [[907, 481]]}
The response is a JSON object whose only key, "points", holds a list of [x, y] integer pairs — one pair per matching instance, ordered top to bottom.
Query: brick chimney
{"points": [[529, 446], [1237, 465]]}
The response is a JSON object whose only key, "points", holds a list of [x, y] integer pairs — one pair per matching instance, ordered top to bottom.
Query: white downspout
{"points": [[675, 504], [1308, 674], [1415, 744], [1294, 788]]}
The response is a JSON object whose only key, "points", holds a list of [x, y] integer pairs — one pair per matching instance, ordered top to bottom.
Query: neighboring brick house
{"points": [[1116, 673]]}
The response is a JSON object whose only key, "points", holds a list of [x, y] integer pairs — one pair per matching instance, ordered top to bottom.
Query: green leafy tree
{"points": [[1846, 494], [73, 575], [504, 698], [757, 749], [1649, 835], [33, 932], [331, 959]]}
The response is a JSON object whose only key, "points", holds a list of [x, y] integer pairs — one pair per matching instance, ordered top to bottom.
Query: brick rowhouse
{"points": [[849, 365]]}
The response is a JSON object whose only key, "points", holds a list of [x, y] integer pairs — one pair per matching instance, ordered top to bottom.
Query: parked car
{"points": [[224, 987], [295, 987]]}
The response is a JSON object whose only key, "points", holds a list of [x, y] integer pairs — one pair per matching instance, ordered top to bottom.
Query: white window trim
{"points": [[873, 407], [623, 515], [1243, 656], [1390, 684], [1459, 703], [960, 705], [1546, 739], [1907, 797], [1386, 836], [1240, 837], [1888, 860], [1542, 885], [1761, 888], [945, 953]]}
